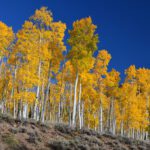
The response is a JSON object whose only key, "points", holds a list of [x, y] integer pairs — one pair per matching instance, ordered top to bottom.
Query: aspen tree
{"points": [[6, 38], [83, 42], [100, 71], [112, 82]]}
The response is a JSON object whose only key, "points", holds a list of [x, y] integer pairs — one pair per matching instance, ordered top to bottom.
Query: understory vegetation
{"points": [[42, 79], [28, 134]]}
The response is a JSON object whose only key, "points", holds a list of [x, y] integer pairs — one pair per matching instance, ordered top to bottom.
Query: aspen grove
{"points": [[42, 79]]}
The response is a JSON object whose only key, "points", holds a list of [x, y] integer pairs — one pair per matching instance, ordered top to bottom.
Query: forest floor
{"points": [[31, 135]]}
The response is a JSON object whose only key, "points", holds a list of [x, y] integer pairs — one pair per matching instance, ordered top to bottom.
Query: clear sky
{"points": [[123, 25]]}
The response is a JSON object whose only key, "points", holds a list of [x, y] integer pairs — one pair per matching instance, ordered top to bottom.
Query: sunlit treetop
{"points": [[42, 17], [6, 37], [83, 41], [101, 62], [130, 73]]}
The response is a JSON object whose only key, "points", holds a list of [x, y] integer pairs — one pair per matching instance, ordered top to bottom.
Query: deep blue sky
{"points": [[123, 25]]}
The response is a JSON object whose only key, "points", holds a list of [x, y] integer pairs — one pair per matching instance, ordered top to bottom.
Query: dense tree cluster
{"points": [[38, 80]]}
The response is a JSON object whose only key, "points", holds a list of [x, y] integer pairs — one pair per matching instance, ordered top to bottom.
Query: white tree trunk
{"points": [[80, 90], [37, 93], [46, 95], [75, 101], [44, 103], [70, 106], [2, 107], [20, 110], [59, 110], [14, 111], [25, 111], [14, 114], [82, 115], [110, 116], [101, 118], [114, 125], [121, 128], [133, 133], [146, 135]]}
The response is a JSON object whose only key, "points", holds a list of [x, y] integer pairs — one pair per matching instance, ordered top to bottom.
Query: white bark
{"points": [[80, 90], [37, 94], [46, 95], [75, 101], [14, 103], [44, 103], [70, 106], [2, 107], [20, 110], [14, 111], [25, 111], [59, 111], [38, 114], [82, 115], [110, 115], [101, 117], [113, 117], [114, 126], [121, 126], [133, 131], [138, 134], [146, 135]]}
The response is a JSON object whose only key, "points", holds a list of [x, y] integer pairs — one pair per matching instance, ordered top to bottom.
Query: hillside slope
{"points": [[29, 135]]}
